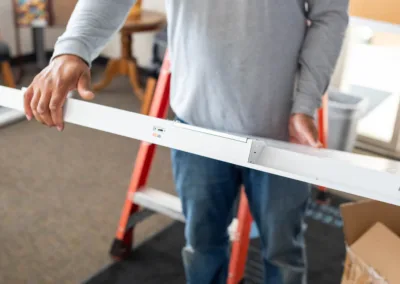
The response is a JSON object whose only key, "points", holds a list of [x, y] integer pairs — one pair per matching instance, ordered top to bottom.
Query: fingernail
{"points": [[28, 117], [59, 128]]}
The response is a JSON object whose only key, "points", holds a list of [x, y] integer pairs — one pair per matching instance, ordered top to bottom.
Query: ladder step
{"points": [[160, 202], [169, 205]]}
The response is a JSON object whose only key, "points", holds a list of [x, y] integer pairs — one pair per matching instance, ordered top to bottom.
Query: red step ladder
{"points": [[156, 201]]}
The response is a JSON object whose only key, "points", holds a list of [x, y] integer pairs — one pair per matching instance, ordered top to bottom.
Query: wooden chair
{"points": [[126, 65], [6, 72]]}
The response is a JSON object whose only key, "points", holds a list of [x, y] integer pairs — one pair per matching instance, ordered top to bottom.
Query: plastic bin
{"points": [[344, 112]]}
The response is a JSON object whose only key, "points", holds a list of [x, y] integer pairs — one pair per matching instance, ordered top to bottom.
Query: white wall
{"points": [[7, 31], [142, 42]]}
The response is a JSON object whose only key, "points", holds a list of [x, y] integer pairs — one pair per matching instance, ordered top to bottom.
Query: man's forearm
{"points": [[91, 26], [320, 51]]}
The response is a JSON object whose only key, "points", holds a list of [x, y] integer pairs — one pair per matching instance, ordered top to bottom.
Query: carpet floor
{"points": [[61, 195], [159, 259]]}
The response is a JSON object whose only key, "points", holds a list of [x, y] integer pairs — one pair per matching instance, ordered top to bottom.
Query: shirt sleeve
{"points": [[91, 26], [319, 53]]}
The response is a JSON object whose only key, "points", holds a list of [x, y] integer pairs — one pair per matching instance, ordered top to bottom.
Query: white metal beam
{"points": [[9, 116], [370, 177]]}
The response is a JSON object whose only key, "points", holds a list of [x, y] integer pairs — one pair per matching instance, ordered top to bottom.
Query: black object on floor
{"points": [[158, 260]]}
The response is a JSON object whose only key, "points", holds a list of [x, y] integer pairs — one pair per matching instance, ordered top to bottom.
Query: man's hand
{"points": [[45, 97], [302, 130]]}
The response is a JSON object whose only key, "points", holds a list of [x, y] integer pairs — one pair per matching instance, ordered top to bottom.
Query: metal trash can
{"points": [[344, 112]]}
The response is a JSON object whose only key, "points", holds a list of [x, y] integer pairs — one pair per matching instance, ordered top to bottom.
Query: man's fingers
{"points": [[84, 86], [46, 95], [27, 103], [34, 104], [56, 105], [43, 107], [57, 115], [302, 130], [311, 138], [294, 140], [319, 144]]}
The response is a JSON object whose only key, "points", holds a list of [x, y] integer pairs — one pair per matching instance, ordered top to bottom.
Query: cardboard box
{"points": [[372, 233]]}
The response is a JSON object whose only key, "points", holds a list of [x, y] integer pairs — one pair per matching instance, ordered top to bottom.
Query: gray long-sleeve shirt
{"points": [[241, 66]]}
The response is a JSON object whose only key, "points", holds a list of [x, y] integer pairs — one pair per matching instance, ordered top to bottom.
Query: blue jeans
{"points": [[208, 190]]}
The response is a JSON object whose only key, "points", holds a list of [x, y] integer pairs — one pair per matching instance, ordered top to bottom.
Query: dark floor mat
{"points": [[159, 259]]}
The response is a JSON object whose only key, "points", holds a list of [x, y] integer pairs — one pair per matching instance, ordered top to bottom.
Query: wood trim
{"points": [[379, 10], [7, 74]]}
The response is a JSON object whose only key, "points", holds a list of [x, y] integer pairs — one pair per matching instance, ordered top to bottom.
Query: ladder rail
{"points": [[123, 241]]}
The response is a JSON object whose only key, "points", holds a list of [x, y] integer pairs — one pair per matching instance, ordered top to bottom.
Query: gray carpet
{"points": [[61, 195]]}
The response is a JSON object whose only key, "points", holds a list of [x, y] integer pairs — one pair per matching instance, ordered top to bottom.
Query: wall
{"points": [[7, 31], [142, 42]]}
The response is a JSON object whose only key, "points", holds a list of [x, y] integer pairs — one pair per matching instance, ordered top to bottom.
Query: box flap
{"points": [[358, 217], [379, 248]]}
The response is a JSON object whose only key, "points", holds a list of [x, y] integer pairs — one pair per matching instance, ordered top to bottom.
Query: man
{"points": [[246, 67]]}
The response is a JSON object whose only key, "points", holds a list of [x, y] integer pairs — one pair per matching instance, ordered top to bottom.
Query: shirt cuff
{"points": [[72, 47], [305, 104]]}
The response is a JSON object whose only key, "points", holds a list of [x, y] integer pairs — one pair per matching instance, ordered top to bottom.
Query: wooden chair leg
{"points": [[111, 71], [8, 76], [134, 79], [148, 96]]}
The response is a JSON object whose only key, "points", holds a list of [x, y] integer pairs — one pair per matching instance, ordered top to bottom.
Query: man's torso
{"points": [[234, 63]]}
